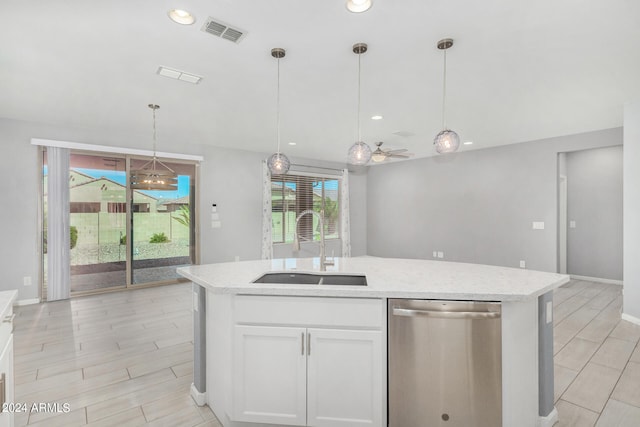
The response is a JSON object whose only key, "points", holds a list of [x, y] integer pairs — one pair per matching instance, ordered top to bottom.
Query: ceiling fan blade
{"points": [[397, 151], [400, 156]]}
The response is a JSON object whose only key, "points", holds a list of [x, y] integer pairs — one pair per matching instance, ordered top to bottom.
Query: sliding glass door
{"points": [[163, 236], [121, 237]]}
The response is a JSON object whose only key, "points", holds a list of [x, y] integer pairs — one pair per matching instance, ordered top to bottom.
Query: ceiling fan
{"points": [[381, 155]]}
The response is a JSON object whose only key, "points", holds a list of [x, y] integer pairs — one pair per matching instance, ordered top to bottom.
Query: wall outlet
{"points": [[216, 224], [572, 224], [538, 225], [435, 254], [440, 254], [237, 258], [523, 264], [26, 280]]}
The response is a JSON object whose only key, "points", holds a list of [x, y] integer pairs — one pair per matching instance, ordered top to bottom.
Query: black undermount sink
{"points": [[313, 279]]}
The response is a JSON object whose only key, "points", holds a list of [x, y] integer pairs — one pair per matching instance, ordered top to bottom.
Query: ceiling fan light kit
{"points": [[447, 141], [360, 152], [381, 155], [278, 163], [154, 175]]}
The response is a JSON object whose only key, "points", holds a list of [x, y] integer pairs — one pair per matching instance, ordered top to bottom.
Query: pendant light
{"points": [[447, 141], [360, 152], [278, 163], [154, 175]]}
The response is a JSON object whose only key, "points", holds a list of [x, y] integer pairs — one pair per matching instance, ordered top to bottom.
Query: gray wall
{"points": [[594, 182], [239, 200], [476, 206], [632, 210]]}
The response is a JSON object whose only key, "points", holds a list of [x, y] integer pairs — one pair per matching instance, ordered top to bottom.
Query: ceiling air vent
{"points": [[220, 29]]}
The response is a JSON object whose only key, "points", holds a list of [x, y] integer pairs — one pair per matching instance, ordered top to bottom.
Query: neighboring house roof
{"points": [[95, 180], [179, 201]]}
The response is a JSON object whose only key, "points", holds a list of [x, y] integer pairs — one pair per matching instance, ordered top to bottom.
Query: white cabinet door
{"points": [[6, 368], [269, 375], [345, 382]]}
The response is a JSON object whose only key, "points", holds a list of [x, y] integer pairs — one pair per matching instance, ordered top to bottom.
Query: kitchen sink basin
{"points": [[313, 279]]}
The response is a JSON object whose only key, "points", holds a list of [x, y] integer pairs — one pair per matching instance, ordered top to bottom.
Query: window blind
{"points": [[293, 193]]}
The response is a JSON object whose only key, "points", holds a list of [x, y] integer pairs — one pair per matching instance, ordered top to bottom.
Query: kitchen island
{"points": [[301, 354]]}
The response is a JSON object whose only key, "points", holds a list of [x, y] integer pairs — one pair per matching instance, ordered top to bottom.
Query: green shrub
{"points": [[73, 236], [159, 238], [123, 239]]}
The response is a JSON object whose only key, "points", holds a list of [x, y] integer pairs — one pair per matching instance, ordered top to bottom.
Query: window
{"points": [[293, 194], [84, 207], [116, 207]]}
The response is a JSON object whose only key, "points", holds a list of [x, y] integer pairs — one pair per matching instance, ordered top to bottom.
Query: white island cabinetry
{"points": [[7, 298], [316, 355], [308, 361]]}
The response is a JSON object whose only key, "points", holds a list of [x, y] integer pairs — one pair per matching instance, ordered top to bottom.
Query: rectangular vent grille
{"points": [[220, 29]]}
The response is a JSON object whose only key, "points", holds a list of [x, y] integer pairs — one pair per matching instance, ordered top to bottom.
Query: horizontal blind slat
{"points": [[292, 194]]}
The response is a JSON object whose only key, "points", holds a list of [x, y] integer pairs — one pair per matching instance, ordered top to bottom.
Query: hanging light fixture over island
{"points": [[447, 141], [359, 152], [278, 163]]}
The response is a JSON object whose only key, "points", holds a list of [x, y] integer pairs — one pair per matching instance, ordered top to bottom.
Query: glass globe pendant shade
{"points": [[446, 141], [359, 153], [278, 164]]}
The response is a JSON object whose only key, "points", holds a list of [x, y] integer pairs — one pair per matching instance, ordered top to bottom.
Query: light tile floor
{"points": [[597, 358], [118, 359], [126, 359]]}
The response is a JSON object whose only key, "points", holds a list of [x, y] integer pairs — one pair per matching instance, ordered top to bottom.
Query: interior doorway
{"points": [[562, 224]]}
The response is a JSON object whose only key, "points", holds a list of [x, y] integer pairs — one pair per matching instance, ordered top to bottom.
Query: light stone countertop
{"points": [[386, 278]]}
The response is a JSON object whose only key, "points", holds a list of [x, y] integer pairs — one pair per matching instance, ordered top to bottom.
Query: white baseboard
{"points": [[597, 279], [27, 301], [630, 318], [198, 397], [549, 420]]}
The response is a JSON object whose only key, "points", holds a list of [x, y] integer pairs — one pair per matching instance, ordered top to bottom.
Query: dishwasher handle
{"points": [[409, 312]]}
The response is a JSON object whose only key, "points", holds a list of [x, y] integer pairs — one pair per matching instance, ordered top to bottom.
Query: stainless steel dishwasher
{"points": [[444, 363]]}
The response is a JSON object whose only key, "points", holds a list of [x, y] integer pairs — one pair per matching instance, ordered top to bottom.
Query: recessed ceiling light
{"points": [[359, 6], [181, 17], [376, 117], [292, 143], [467, 143]]}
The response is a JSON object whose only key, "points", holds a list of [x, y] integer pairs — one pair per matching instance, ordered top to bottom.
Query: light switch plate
{"points": [[435, 254], [523, 264]]}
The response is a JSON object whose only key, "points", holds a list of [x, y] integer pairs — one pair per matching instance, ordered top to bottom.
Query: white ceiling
{"points": [[520, 70]]}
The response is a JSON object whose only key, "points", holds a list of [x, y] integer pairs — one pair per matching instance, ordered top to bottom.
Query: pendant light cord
{"points": [[444, 90], [278, 108], [358, 116], [154, 132]]}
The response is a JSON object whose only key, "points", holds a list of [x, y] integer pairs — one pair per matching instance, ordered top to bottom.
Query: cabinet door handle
{"points": [[9, 319], [302, 343], [309, 344]]}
